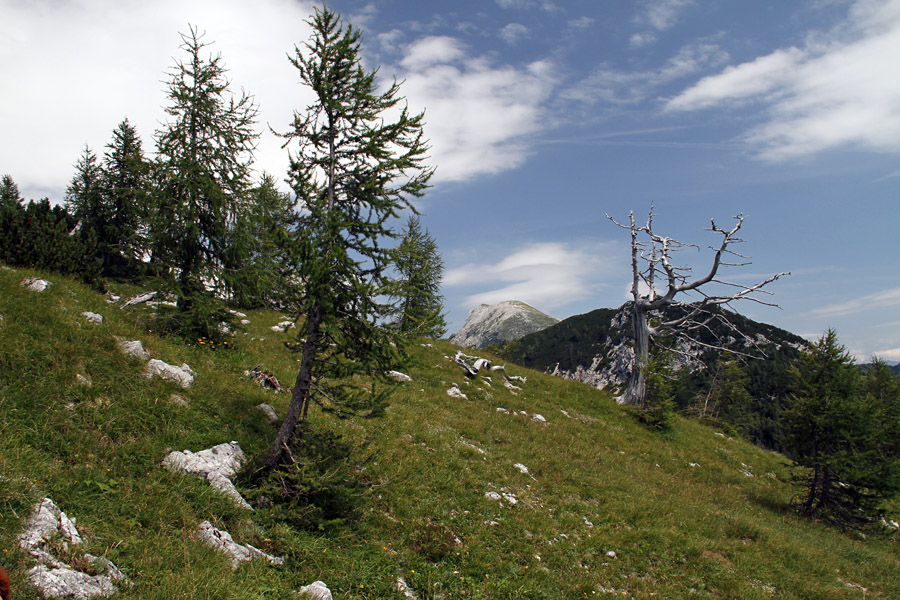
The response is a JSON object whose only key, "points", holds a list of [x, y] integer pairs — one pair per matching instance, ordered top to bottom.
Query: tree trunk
{"points": [[636, 392], [300, 395]]}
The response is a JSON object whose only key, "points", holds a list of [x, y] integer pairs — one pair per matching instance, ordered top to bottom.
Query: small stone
{"points": [[35, 284], [92, 317], [133, 348], [183, 375], [399, 376], [82, 380], [455, 392], [179, 400], [268, 411], [538, 418], [522, 468], [493, 496], [611, 554], [317, 590]]}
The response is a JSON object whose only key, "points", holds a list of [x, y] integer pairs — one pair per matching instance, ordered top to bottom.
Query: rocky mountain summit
{"points": [[500, 323]]}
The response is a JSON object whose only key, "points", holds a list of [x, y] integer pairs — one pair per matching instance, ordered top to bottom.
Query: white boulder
{"points": [[35, 284], [92, 317], [133, 348], [182, 375], [217, 464], [222, 541], [67, 583], [317, 590]]}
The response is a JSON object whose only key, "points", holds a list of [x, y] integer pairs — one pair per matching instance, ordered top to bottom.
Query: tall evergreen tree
{"points": [[204, 156], [352, 170], [127, 188], [9, 192], [84, 194], [420, 267], [256, 270], [834, 430]]}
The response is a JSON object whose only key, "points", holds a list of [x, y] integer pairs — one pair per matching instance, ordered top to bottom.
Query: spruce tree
{"points": [[203, 169], [353, 169], [127, 187], [9, 192], [419, 267], [255, 268], [834, 430]]}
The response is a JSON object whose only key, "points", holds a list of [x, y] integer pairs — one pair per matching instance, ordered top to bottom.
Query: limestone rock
{"points": [[35, 284], [139, 299], [92, 317], [133, 348], [183, 375], [397, 375], [455, 392], [268, 411], [216, 464], [222, 541], [53, 577], [67, 583], [404, 589], [317, 590]]}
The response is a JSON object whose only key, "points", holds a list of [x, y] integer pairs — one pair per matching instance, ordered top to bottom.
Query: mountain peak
{"points": [[499, 323]]}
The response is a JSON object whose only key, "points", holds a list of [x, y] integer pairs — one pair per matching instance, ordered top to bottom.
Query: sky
{"points": [[544, 117]]}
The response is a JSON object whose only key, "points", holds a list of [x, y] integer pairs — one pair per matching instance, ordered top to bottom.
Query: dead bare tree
{"points": [[658, 283]]}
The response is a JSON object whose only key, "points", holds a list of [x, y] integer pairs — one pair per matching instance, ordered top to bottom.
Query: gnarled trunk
{"points": [[636, 392]]}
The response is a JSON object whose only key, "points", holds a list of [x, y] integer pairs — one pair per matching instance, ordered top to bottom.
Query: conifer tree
{"points": [[353, 169], [203, 170], [127, 187], [9, 192], [420, 267], [255, 269], [834, 430]]}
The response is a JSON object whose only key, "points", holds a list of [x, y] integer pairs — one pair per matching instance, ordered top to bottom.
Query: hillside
{"points": [[499, 323], [596, 348], [474, 497]]}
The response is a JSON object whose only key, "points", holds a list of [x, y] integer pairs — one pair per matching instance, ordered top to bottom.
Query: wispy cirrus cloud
{"points": [[618, 87], [840, 89], [889, 298]]}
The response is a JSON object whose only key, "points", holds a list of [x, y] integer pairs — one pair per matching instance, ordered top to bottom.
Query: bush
{"points": [[315, 485]]}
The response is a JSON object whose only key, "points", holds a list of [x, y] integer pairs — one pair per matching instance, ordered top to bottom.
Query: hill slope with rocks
{"points": [[493, 324], [491, 481]]}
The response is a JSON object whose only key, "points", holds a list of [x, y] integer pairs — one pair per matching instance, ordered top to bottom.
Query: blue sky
{"points": [[545, 116]]}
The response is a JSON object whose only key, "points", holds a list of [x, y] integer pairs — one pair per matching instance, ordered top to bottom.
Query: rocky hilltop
{"points": [[500, 323]]}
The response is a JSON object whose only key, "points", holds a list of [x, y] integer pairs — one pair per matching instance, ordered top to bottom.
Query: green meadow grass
{"points": [[607, 508]]}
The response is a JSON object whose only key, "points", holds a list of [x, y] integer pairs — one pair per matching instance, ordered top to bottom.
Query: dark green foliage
{"points": [[202, 170], [352, 170], [126, 181], [9, 192], [37, 235], [255, 266], [419, 267], [199, 317], [727, 401], [658, 409], [843, 437], [318, 486]]}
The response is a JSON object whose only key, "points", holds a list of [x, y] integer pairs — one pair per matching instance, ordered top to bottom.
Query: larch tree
{"points": [[204, 155], [357, 159], [9, 192], [419, 270], [658, 283]]}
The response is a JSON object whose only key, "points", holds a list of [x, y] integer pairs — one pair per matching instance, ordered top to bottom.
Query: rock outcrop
{"points": [[217, 464], [238, 553]]}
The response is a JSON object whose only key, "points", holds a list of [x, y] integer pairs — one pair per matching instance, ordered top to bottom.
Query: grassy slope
{"points": [[673, 527]]}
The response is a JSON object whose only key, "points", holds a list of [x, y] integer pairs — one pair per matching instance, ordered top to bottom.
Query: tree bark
{"points": [[636, 392], [300, 395]]}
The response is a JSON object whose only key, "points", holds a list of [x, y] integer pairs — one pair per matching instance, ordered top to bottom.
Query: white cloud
{"points": [[662, 14], [581, 23], [513, 33], [642, 39], [432, 50], [79, 68], [630, 87], [841, 90], [478, 114], [545, 275], [880, 300], [891, 354]]}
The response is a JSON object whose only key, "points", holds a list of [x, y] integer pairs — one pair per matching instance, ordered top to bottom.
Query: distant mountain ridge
{"points": [[500, 323]]}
